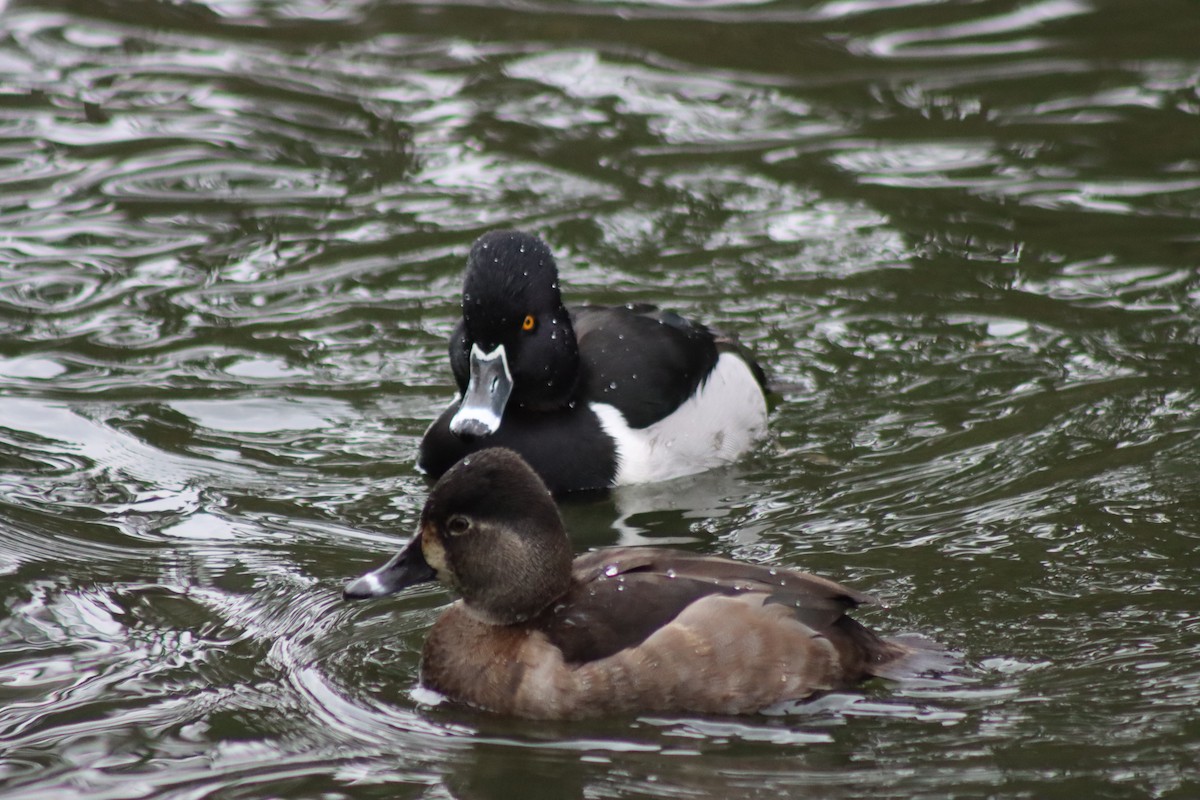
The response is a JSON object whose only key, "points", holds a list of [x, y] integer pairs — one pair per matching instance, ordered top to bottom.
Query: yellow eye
{"points": [[528, 323]]}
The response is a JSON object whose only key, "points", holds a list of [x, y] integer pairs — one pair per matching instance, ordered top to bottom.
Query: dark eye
{"points": [[529, 323], [458, 525]]}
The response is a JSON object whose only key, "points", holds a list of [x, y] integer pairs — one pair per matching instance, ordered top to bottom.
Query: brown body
{"points": [[620, 630], [780, 635]]}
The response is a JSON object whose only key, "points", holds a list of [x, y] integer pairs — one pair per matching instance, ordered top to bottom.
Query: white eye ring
{"points": [[457, 525]]}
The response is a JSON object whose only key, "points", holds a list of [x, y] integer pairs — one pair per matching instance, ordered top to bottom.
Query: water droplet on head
{"points": [[612, 385], [611, 569], [670, 573]]}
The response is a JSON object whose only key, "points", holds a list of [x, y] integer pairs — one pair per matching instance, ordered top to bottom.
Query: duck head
{"points": [[515, 345], [490, 531]]}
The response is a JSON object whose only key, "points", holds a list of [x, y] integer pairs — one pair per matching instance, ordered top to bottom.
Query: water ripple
{"points": [[947, 41]]}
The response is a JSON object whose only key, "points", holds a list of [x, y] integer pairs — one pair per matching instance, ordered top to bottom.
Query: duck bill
{"points": [[487, 393], [406, 568]]}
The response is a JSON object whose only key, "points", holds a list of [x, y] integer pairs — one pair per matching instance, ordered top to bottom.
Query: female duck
{"points": [[591, 397], [617, 630]]}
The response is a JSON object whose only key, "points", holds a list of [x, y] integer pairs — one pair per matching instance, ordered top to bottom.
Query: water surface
{"points": [[963, 237]]}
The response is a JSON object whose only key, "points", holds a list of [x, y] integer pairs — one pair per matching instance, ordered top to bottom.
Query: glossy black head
{"points": [[511, 300], [491, 531]]}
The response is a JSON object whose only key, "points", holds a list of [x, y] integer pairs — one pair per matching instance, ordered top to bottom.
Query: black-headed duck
{"points": [[591, 397], [618, 630]]}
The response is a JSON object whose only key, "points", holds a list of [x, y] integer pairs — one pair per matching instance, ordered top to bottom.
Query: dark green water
{"points": [[964, 236]]}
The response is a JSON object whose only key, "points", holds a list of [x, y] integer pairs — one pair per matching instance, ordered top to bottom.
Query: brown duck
{"points": [[618, 630]]}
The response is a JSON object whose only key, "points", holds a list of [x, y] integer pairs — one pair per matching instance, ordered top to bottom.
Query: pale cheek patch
{"points": [[435, 556]]}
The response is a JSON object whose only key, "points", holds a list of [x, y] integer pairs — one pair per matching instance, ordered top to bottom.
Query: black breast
{"points": [[567, 448]]}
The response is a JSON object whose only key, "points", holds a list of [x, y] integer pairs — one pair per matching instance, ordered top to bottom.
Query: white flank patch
{"points": [[713, 427]]}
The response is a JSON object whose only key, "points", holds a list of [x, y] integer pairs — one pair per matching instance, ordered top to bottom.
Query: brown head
{"points": [[490, 530]]}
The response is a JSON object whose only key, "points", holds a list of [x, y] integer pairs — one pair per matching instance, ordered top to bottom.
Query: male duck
{"points": [[591, 397], [618, 630]]}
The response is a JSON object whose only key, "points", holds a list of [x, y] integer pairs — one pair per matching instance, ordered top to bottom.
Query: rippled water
{"points": [[963, 237]]}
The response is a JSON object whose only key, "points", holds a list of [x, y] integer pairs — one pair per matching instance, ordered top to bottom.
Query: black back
{"points": [[643, 361]]}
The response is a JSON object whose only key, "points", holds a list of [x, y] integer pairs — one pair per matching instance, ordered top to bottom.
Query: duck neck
{"points": [[515, 586]]}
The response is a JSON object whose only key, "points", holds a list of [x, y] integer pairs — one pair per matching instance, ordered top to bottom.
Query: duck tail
{"points": [[911, 655]]}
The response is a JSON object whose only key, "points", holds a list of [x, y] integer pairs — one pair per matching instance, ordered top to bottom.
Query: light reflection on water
{"points": [[962, 236]]}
